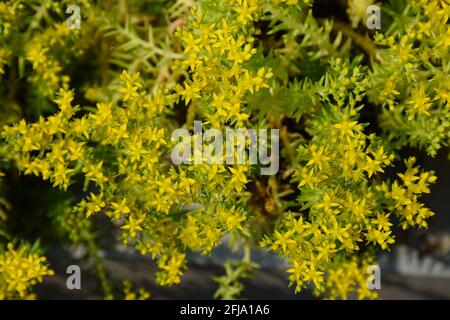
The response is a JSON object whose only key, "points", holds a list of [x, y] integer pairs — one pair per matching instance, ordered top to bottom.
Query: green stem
{"points": [[40, 14], [363, 42], [93, 251], [247, 253]]}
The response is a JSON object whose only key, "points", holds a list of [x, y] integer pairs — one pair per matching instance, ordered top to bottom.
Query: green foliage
{"points": [[91, 112], [230, 285]]}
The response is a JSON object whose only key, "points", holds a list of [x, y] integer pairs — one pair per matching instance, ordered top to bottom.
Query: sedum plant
{"points": [[92, 112], [21, 267]]}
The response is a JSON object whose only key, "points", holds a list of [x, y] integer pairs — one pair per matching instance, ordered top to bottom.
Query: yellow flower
{"points": [[245, 10], [191, 45], [36, 54], [132, 85], [189, 92], [64, 101], [419, 102], [80, 127], [346, 128], [76, 150], [318, 157], [372, 166], [95, 173], [61, 175], [239, 178], [308, 178], [165, 186], [327, 204], [94, 205], [120, 208], [232, 219], [382, 221], [133, 226], [336, 232], [382, 237], [283, 240], [172, 268], [20, 270], [298, 272], [313, 274], [129, 294]]}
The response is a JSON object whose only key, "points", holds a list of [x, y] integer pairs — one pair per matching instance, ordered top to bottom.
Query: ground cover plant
{"points": [[92, 91]]}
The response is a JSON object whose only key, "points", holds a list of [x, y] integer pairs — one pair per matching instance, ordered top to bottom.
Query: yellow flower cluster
{"points": [[8, 15], [44, 46], [215, 56], [46, 69], [411, 79], [123, 132], [121, 147], [135, 189], [404, 197], [345, 206], [20, 270], [350, 276], [130, 294]]}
